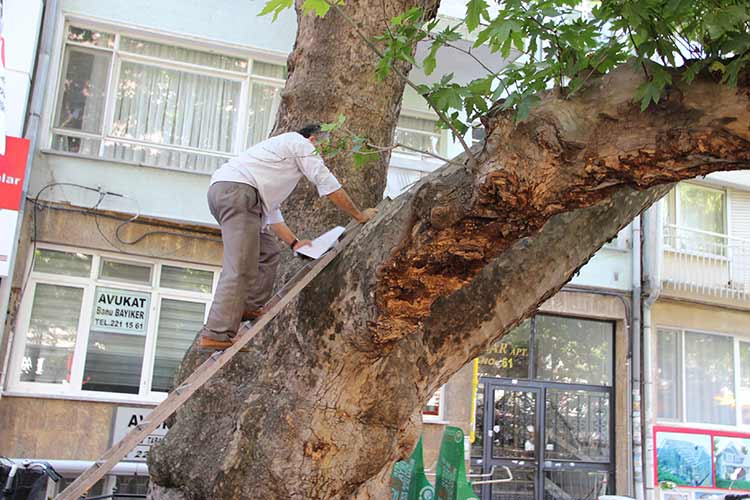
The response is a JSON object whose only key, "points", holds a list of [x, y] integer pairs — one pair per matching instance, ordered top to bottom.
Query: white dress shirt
{"points": [[274, 167]]}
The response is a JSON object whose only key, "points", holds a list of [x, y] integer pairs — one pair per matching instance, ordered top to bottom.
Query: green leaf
{"points": [[276, 7], [319, 7], [476, 10], [429, 63], [648, 92]]}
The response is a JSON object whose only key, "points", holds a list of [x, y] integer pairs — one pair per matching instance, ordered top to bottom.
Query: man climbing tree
{"points": [[589, 127]]}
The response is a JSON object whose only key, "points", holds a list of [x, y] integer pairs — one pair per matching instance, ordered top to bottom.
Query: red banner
{"points": [[12, 170]]}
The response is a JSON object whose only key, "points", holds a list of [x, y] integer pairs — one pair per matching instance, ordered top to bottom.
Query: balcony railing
{"points": [[706, 263]]}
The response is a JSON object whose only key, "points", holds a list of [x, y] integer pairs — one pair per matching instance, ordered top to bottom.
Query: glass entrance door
{"points": [[512, 419], [554, 438]]}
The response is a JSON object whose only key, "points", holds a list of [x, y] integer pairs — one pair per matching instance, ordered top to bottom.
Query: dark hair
{"points": [[309, 129]]}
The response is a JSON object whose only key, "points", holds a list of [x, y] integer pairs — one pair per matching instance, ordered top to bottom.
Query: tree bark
{"points": [[330, 395]]}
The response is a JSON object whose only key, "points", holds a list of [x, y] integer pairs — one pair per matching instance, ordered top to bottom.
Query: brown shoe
{"points": [[207, 343]]}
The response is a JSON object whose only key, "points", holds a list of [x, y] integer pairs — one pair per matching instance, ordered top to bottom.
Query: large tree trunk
{"points": [[330, 395]]}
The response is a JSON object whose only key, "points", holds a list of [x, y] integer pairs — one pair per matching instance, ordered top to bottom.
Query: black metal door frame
{"points": [[540, 464]]}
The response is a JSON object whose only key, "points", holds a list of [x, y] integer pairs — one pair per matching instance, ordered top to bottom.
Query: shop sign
{"points": [[12, 170], [121, 311], [504, 359], [126, 419]]}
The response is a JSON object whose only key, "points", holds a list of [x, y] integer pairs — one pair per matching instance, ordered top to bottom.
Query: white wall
{"points": [[21, 22]]}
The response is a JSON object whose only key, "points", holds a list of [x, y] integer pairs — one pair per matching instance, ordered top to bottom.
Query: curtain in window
{"points": [[264, 101], [170, 107], [421, 135], [179, 322], [51, 337], [668, 375], [709, 379]]}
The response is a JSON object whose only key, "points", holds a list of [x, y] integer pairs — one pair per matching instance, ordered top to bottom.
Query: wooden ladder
{"points": [[202, 374]]}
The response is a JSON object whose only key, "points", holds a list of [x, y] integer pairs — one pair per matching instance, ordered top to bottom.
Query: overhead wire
{"points": [[38, 204]]}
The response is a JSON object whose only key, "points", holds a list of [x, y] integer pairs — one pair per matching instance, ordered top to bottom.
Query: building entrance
{"points": [[555, 437]]}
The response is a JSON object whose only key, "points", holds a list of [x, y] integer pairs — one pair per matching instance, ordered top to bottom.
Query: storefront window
{"points": [[92, 336], [573, 350]]}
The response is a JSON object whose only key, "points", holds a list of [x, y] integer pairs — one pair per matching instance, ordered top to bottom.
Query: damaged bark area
{"points": [[568, 155]]}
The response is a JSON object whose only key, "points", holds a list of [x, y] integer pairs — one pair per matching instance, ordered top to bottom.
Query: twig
{"points": [[416, 150], [472, 159]]}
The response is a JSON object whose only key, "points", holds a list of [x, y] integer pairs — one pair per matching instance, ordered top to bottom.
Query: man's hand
{"points": [[343, 202], [367, 214], [300, 244]]}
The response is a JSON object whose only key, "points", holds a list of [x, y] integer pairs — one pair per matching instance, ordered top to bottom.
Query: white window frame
{"points": [[246, 79], [440, 134], [666, 222], [73, 390], [440, 417], [682, 420]]}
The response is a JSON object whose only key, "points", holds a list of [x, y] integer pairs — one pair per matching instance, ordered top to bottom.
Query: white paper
{"points": [[322, 243]]}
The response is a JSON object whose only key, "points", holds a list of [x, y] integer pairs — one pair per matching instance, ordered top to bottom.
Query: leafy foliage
{"points": [[563, 44], [338, 139]]}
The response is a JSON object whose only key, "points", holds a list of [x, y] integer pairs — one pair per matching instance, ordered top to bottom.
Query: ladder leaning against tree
{"points": [[202, 374]]}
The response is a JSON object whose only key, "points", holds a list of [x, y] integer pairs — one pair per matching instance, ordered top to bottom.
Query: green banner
{"points": [[408, 481], [451, 482]]}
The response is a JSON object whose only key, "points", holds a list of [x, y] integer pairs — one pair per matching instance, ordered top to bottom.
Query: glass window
{"points": [[91, 37], [182, 54], [269, 70], [83, 90], [264, 101], [162, 106], [173, 107], [418, 133], [478, 134], [79, 145], [701, 208], [698, 216], [65, 263], [125, 271], [185, 278], [179, 322], [119, 324], [52, 333], [573, 350], [509, 356], [114, 357], [667, 374], [709, 378], [745, 381], [432, 407], [514, 424], [577, 426], [575, 484], [130, 485], [523, 486]]}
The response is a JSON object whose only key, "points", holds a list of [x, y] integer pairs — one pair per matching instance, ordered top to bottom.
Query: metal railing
{"points": [[706, 263]]}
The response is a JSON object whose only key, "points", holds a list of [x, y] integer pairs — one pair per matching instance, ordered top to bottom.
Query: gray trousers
{"points": [[251, 257]]}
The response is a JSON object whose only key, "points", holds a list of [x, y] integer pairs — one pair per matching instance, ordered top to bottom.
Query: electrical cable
{"points": [[92, 211]]}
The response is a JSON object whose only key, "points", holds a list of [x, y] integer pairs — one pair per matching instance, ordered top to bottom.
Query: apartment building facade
{"points": [[696, 327]]}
